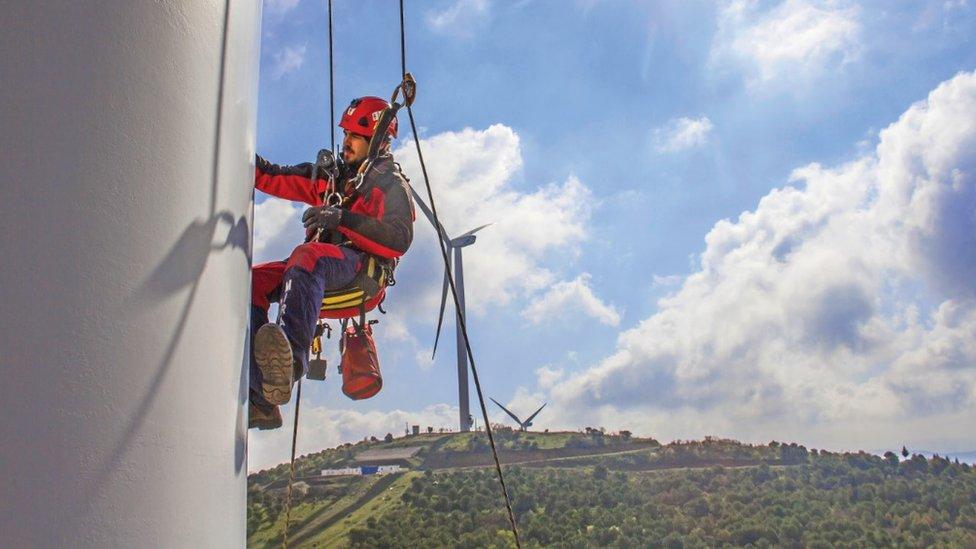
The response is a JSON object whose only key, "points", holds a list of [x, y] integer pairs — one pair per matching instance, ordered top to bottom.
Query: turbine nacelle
{"points": [[463, 241]]}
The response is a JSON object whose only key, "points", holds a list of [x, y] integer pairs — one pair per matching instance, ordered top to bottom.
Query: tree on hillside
{"points": [[388, 437], [904, 452], [833, 499]]}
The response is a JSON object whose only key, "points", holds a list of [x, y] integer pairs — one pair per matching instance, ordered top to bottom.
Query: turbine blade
{"points": [[430, 216], [472, 231], [440, 316], [536, 413], [515, 417]]}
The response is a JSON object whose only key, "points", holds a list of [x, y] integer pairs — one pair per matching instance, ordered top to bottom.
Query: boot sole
{"points": [[272, 353], [264, 424]]}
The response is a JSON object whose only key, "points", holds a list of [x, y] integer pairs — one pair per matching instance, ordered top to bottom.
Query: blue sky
{"points": [[747, 219]]}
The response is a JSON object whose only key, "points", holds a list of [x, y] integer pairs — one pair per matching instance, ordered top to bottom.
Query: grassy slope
{"points": [[545, 441], [304, 513], [335, 534], [269, 535]]}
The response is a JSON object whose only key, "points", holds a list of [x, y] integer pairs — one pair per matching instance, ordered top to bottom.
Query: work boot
{"points": [[273, 356], [263, 418]]}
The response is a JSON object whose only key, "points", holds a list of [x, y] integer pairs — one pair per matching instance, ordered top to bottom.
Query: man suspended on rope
{"points": [[376, 218]]}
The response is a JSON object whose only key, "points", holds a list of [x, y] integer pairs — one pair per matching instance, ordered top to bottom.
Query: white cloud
{"points": [[953, 5], [280, 7], [460, 18], [797, 39], [288, 60], [681, 134], [472, 175], [277, 229], [666, 281], [574, 296], [840, 312], [547, 376], [321, 427]]}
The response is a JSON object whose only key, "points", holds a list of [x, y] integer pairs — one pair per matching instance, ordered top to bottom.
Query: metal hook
{"points": [[409, 88]]}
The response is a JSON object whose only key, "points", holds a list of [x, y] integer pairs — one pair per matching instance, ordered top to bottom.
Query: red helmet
{"points": [[362, 115]]}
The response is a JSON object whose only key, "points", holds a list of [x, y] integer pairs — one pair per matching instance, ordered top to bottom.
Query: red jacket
{"points": [[379, 220]]}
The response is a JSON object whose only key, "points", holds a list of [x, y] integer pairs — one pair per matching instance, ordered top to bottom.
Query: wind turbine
{"points": [[454, 245], [523, 425]]}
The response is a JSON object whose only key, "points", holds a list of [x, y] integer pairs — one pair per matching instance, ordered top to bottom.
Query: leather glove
{"points": [[325, 218]]}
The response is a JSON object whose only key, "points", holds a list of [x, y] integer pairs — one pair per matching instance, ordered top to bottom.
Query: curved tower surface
{"points": [[126, 146]]}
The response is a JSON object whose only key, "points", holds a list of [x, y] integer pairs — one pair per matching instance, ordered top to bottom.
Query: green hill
{"points": [[597, 490]]}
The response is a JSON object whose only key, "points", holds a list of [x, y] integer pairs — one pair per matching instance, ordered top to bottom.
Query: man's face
{"points": [[354, 148]]}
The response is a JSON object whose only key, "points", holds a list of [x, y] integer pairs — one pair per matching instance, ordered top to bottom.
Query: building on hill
{"points": [[362, 470]]}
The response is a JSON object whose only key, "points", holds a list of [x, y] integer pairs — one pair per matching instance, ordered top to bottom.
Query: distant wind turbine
{"points": [[455, 245], [523, 425]]}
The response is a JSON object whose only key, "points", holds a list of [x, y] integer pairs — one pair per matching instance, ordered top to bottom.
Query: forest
{"points": [[710, 493]]}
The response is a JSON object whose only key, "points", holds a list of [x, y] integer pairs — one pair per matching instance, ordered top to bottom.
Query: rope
{"points": [[403, 47], [331, 86], [460, 318], [298, 395], [291, 475]]}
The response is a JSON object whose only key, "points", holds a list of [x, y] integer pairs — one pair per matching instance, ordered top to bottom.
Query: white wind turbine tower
{"points": [[454, 245]]}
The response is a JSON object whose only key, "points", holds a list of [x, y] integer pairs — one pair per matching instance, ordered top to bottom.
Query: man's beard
{"points": [[351, 165], [354, 165]]}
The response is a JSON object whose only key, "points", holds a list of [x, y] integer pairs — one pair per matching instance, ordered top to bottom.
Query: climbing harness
{"points": [[366, 291], [357, 337]]}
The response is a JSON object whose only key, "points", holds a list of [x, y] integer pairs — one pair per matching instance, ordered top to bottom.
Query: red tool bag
{"points": [[360, 365]]}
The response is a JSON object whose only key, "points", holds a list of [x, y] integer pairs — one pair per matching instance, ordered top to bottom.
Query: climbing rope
{"points": [[332, 125], [460, 318], [462, 326], [298, 394], [291, 474]]}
